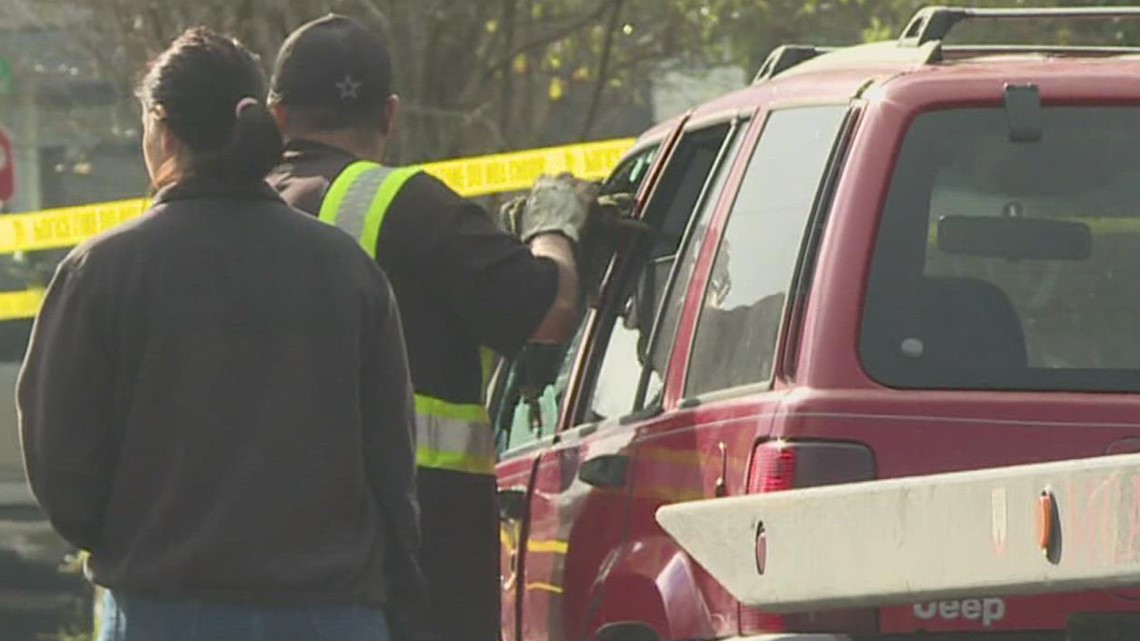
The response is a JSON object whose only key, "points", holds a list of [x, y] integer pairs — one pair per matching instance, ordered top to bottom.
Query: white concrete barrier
{"points": [[1053, 527]]}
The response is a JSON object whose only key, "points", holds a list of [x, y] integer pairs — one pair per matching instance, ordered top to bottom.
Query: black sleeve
{"points": [[489, 279], [65, 399], [388, 413]]}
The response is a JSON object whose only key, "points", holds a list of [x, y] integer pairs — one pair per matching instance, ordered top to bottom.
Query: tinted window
{"points": [[690, 250], [1010, 265], [647, 272], [735, 342]]}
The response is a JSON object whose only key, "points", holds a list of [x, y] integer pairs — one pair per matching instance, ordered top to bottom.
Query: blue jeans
{"points": [[130, 617]]}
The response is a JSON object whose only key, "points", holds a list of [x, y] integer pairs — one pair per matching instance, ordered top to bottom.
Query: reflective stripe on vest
{"points": [[359, 198], [449, 436], [453, 436]]}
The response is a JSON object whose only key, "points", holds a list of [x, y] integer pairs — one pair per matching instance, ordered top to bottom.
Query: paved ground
{"points": [[38, 599]]}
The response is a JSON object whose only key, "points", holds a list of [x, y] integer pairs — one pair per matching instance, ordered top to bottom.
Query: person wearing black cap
{"points": [[465, 288]]}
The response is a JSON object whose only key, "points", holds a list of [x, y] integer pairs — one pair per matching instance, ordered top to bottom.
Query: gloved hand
{"points": [[558, 204], [609, 224]]}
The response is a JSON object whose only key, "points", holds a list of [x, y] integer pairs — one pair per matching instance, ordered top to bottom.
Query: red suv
{"points": [[888, 260]]}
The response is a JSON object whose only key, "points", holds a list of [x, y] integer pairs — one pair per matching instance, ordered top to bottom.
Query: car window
{"points": [[629, 175], [1009, 265], [743, 307], [670, 312], [630, 317], [525, 416], [522, 420]]}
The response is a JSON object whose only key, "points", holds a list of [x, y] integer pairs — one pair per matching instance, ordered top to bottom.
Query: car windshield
{"points": [[1010, 263]]}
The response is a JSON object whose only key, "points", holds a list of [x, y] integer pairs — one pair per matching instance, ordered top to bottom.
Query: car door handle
{"points": [[607, 470], [512, 503]]}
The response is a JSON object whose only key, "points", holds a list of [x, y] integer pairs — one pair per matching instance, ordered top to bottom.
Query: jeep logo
{"points": [[988, 611]]}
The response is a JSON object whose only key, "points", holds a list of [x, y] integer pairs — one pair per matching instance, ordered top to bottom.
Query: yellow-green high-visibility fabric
{"points": [[359, 198], [449, 436]]}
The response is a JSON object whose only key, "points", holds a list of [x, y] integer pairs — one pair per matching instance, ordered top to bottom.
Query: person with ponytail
{"points": [[215, 404]]}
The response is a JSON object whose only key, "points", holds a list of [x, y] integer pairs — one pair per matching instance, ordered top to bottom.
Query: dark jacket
{"points": [[462, 283], [216, 404]]}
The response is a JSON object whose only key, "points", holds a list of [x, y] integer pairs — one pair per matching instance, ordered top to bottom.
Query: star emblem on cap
{"points": [[348, 87]]}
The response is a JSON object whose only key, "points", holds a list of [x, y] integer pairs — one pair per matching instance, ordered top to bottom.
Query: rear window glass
{"points": [[1010, 265]]}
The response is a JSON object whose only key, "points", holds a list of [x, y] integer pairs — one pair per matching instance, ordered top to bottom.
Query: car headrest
{"points": [[940, 331]]}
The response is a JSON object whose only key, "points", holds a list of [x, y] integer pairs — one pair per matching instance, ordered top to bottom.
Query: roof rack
{"points": [[935, 23], [921, 40], [960, 51], [785, 57]]}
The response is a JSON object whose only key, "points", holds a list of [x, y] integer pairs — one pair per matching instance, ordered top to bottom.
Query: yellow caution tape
{"points": [[518, 170], [469, 177], [58, 228], [23, 304]]}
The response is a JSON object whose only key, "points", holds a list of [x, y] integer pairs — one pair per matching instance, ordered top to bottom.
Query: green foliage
{"points": [[753, 28], [473, 76], [484, 76]]}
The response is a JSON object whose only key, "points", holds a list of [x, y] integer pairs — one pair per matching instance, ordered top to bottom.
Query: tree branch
{"points": [[548, 38], [603, 64], [506, 95]]}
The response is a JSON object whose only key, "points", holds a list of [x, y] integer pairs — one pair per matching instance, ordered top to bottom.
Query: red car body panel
{"points": [[595, 557]]}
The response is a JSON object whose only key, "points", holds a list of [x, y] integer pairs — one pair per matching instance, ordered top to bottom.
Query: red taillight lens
{"points": [[779, 465], [782, 465], [773, 467]]}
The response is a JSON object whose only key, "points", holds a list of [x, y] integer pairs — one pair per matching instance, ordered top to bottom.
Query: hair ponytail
{"points": [[205, 83], [254, 147]]}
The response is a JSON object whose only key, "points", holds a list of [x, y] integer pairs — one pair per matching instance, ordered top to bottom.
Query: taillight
{"points": [[779, 465], [782, 465], [773, 467]]}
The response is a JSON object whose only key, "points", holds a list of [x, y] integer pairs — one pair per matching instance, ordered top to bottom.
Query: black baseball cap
{"points": [[334, 63]]}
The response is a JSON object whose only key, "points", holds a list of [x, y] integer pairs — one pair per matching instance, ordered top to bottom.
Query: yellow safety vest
{"points": [[449, 436]]}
